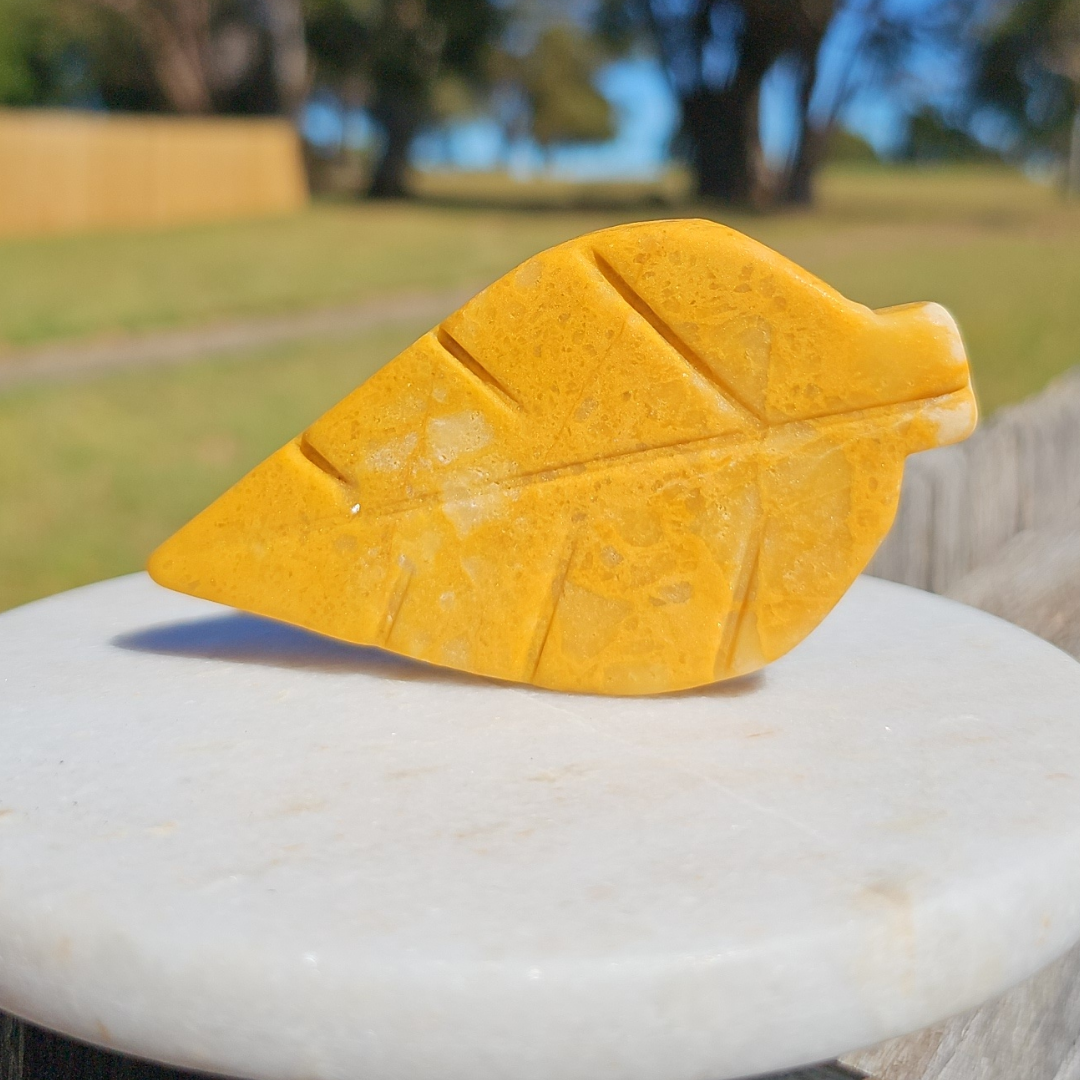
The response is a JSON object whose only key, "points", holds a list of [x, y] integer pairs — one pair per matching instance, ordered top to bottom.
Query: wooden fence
{"points": [[64, 171], [961, 505]]}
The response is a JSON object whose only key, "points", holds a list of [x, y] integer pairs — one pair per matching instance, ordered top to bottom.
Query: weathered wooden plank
{"points": [[994, 497], [961, 505], [951, 528], [905, 554], [1033, 581], [1031, 1033], [11, 1048], [32, 1053], [834, 1070]]}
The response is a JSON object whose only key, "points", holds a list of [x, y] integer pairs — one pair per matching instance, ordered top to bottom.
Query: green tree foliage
{"points": [[47, 52], [54, 52], [717, 53], [185, 56], [395, 56], [102, 62], [25, 68], [1029, 70], [557, 78], [930, 139], [847, 148]]}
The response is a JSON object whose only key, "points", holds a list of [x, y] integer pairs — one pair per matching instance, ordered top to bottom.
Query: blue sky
{"points": [[647, 117]]}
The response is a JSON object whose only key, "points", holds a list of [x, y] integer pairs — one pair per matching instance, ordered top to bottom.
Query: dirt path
{"points": [[75, 360]]}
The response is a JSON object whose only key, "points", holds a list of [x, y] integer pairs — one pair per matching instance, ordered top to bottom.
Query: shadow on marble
{"points": [[240, 638], [740, 686]]}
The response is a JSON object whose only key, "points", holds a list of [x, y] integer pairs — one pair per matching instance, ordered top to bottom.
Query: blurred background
{"points": [[218, 216]]}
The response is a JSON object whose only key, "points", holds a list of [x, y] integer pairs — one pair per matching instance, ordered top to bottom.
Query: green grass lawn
{"points": [[1003, 254], [91, 286], [93, 474]]}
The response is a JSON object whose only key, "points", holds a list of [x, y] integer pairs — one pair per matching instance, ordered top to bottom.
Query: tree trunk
{"points": [[176, 35], [289, 53], [181, 77], [400, 117], [721, 123], [717, 125], [722, 126], [1072, 176], [798, 189]]}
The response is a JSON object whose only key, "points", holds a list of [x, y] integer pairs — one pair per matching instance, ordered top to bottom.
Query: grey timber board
{"points": [[961, 505], [1031, 1033]]}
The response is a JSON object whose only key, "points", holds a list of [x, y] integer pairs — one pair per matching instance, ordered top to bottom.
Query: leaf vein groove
{"points": [[634, 300], [455, 349], [733, 441], [322, 463], [600, 463], [558, 585], [744, 588], [397, 601]]}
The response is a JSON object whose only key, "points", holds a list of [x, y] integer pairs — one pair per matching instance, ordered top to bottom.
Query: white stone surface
{"points": [[231, 845]]}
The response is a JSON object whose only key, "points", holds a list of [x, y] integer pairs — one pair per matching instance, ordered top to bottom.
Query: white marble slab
{"points": [[230, 845]]}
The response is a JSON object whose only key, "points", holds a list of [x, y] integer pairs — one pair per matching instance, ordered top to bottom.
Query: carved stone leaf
{"points": [[644, 460]]}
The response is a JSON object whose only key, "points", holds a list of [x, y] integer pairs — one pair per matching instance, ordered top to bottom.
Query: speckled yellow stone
{"points": [[647, 459]]}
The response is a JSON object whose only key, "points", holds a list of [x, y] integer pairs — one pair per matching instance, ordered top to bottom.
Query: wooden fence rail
{"points": [[65, 171], [961, 505]]}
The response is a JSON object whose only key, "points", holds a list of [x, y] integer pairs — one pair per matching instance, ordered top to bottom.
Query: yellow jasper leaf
{"points": [[647, 459]]}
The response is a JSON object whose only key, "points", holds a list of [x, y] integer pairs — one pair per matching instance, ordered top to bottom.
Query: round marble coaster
{"points": [[231, 845]]}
